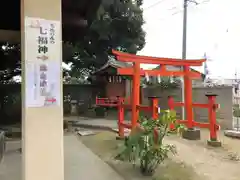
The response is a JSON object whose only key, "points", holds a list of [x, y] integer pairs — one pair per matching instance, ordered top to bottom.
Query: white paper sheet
{"points": [[43, 64]]}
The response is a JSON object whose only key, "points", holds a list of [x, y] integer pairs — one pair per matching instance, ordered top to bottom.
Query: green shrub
{"points": [[236, 110], [100, 111], [146, 147]]}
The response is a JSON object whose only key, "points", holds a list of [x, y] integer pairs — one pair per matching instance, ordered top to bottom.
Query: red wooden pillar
{"points": [[135, 94], [188, 97], [171, 103], [154, 107], [171, 108], [120, 117], [212, 117], [212, 121]]}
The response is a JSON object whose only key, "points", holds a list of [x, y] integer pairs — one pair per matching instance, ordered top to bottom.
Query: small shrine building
{"points": [[112, 84]]}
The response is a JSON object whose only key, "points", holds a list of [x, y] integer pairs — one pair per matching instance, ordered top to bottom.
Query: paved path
{"points": [[93, 122], [80, 163], [10, 168]]}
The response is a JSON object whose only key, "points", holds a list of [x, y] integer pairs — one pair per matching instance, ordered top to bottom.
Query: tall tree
{"points": [[118, 26], [10, 64]]}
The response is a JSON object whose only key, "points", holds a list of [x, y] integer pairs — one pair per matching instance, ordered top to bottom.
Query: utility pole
{"points": [[184, 40], [184, 44], [184, 49]]}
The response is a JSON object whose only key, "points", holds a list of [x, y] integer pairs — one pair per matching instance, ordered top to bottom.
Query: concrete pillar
{"points": [[42, 124]]}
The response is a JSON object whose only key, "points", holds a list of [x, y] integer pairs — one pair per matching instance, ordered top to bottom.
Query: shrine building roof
{"points": [[112, 63], [177, 68]]}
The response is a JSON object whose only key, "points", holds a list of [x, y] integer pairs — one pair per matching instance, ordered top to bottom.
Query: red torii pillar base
{"points": [[191, 134], [120, 138], [214, 143]]}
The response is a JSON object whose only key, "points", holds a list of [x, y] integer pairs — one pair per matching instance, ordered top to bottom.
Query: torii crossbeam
{"points": [[136, 72]]}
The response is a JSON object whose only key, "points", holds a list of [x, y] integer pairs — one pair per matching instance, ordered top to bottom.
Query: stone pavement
{"points": [[93, 122], [232, 133], [80, 163], [10, 167]]}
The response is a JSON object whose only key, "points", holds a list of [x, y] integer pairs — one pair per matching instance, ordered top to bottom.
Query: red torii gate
{"points": [[136, 72]]}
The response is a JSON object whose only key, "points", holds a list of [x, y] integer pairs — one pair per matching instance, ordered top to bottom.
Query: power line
{"points": [[161, 1], [197, 4], [153, 5], [180, 10], [168, 16]]}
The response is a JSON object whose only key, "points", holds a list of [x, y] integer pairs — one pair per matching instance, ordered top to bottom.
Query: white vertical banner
{"points": [[43, 64]]}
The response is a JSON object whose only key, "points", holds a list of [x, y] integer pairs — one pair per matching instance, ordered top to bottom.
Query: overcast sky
{"points": [[213, 27]]}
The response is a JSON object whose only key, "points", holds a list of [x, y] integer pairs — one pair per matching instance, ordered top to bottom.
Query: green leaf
{"points": [[142, 146]]}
